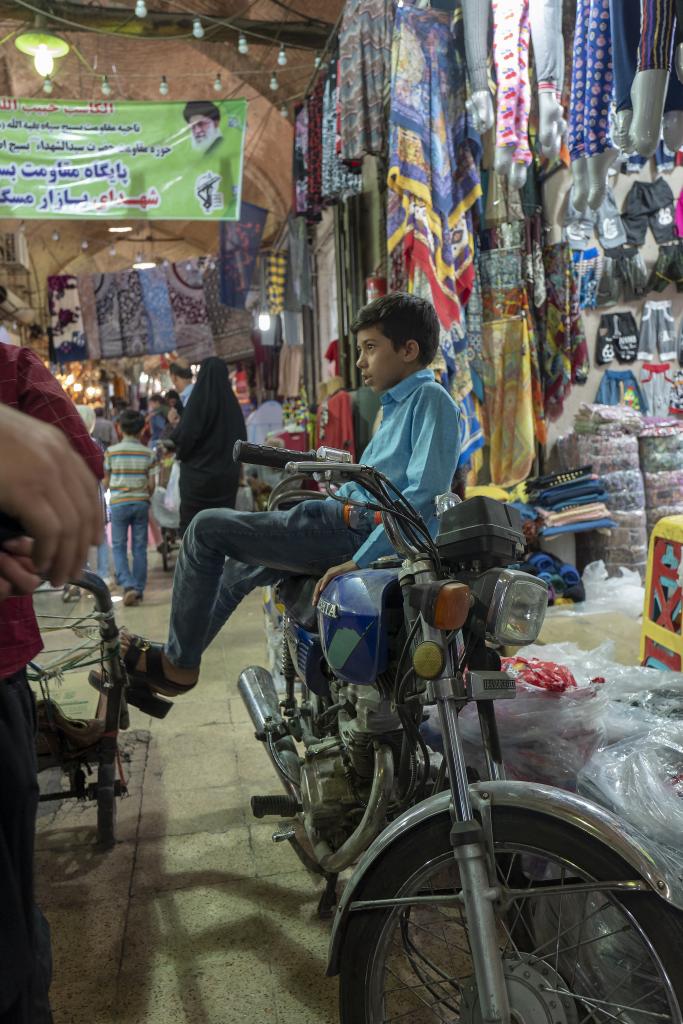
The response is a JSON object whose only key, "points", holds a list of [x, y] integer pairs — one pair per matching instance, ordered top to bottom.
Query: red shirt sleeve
{"points": [[41, 395]]}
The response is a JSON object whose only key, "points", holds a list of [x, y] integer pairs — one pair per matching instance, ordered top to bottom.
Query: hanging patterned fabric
{"points": [[365, 57], [314, 156], [301, 159], [432, 171], [337, 179], [240, 242], [299, 279], [276, 281], [186, 290], [86, 291], [157, 303], [107, 310], [132, 313], [66, 323], [474, 326], [231, 328], [565, 351], [508, 407], [471, 432]]}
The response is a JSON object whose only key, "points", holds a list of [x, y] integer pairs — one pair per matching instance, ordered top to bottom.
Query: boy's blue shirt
{"points": [[417, 446]]}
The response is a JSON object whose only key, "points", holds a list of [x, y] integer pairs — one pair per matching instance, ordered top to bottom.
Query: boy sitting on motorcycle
{"points": [[226, 554]]}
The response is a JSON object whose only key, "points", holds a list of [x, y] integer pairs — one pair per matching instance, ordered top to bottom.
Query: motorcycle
{"points": [[474, 900]]}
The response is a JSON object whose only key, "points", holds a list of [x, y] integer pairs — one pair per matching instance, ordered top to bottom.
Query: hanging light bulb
{"points": [[140, 9], [197, 29], [242, 44], [282, 57], [318, 60], [43, 61], [217, 84], [274, 84], [48, 85], [163, 86], [105, 87], [284, 110], [55, 235], [84, 244], [112, 250], [264, 321]]}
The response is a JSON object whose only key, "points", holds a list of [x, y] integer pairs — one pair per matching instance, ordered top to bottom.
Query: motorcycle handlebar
{"points": [[267, 455]]}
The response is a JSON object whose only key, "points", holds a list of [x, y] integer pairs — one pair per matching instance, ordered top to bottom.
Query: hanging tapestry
{"points": [[365, 58], [314, 154], [301, 159], [337, 179], [239, 246], [86, 291], [107, 310], [158, 313], [132, 314], [66, 323], [194, 340], [565, 352]]}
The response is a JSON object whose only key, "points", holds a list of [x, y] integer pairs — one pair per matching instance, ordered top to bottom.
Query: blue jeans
{"points": [[133, 515], [226, 554], [102, 561]]}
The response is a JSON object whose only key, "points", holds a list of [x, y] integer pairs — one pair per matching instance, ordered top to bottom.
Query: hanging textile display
{"points": [[365, 56], [314, 152], [300, 172], [432, 172], [337, 179], [239, 247], [299, 279], [276, 281], [86, 292], [107, 309], [132, 313], [159, 315], [66, 323], [194, 340], [565, 350], [508, 406]]}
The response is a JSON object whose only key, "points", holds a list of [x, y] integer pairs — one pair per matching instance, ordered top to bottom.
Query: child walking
{"points": [[128, 466]]}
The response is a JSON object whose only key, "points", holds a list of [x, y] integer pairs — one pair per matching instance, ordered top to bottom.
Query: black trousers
{"points": [[25, 962]]}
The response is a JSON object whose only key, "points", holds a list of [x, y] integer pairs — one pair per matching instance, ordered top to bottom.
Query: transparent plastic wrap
{"points": [[593, 418], [661, 446], [609, 452], [664, 489], [625, 490], [655, 514], [623, 547], [273, 622], [546, 736], [641, 780]]}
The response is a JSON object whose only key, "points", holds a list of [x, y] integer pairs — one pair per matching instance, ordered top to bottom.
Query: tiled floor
{"points": [[195, 916]]}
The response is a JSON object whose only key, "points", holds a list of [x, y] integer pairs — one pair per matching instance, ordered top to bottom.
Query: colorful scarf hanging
{"points": [[365, 57], [314, 155], [301, 159], [337, 179], [159, 315], [66, 323], [192, 330], [565, 351], [508, 405]]}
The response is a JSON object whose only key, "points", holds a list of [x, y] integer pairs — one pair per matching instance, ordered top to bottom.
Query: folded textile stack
{"points": [[597, 419], [609, 445], [661, 458], [570, 502]]}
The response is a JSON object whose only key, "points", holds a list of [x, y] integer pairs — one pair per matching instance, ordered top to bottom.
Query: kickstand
{"points": [[328, 900]]}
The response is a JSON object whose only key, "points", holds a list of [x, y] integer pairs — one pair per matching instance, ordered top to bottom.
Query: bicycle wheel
{"points": [[106, 804], [588, 957]]}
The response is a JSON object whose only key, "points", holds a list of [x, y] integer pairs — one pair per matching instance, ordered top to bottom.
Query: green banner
{"points": [[170, 161]]}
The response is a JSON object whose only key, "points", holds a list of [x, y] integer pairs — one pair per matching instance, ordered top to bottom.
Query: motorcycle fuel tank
{"points": [[357, 613]]}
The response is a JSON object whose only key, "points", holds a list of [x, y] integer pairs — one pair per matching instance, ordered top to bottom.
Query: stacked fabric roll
{"points": [[606, 439], [661, 458], [564, 580]]}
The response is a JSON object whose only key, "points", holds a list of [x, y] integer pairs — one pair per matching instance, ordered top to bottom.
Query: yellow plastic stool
{"points": [[661, 641]]}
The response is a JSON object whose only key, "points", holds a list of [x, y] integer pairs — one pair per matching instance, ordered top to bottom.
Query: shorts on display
{"points": [[649, 203], [669, 268], [624, 275], [657, 331], [617, 338]]}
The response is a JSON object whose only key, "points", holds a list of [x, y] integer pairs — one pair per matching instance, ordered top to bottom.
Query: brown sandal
{"points": [[145, 690]]}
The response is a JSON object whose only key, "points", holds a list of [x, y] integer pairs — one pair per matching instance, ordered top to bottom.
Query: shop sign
{"points": [[170, 161]]}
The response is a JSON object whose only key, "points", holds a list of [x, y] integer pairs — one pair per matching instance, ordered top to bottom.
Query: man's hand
{"points": [[49, 488], [336, 570], [18, 574]]}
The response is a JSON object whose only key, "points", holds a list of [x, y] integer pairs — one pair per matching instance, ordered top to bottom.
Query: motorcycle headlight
{"points": [[517, 609]]}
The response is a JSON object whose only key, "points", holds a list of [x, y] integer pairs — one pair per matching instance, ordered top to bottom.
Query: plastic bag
{"points": [[172, 496], [169, 520], [624, 593], [641, 780]]}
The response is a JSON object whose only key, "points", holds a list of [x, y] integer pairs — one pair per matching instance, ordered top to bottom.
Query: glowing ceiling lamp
{"points": [[44, 47]]}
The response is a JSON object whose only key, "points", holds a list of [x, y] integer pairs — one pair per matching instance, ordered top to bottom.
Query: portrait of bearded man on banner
{"points": [[204, 118]]}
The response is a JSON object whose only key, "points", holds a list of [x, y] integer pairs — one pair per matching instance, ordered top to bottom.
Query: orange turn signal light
{"points": [[452, 606]]}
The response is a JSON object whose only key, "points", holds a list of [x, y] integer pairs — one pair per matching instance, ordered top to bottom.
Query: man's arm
{"points": [[46, 485]]}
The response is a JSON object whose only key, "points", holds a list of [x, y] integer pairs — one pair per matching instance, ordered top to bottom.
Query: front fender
{"points": [[649, 861]]}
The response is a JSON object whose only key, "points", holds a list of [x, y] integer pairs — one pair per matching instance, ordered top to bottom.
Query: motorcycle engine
{"points": [[366, 715]]}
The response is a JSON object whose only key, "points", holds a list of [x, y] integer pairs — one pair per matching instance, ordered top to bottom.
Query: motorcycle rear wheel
{"points": [[622, 962]]}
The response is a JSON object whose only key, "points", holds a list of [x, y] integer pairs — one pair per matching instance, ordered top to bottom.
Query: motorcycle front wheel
{"points": [[592, 956]]}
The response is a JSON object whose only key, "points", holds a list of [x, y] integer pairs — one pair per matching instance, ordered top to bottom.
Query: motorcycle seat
{"points": [[296, 594]]}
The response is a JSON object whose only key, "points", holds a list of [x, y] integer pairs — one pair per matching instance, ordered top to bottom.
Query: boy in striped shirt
{"points": [[128, 466]]}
